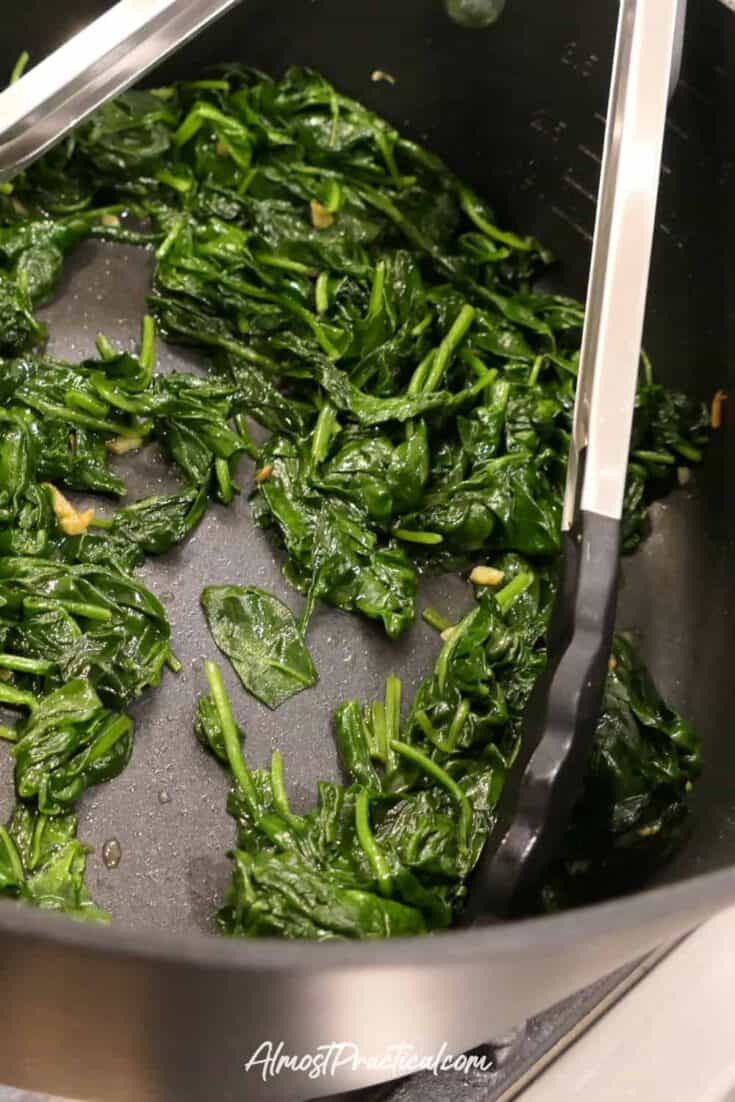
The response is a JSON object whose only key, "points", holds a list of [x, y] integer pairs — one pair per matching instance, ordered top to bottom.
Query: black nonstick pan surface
{"points": [[518, 109]]}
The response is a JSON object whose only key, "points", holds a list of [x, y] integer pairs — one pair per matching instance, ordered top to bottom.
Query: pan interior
{"points": [[519, 110]]}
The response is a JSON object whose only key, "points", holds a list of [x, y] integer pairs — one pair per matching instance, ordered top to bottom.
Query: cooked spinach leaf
{"points": [[262, 640]]}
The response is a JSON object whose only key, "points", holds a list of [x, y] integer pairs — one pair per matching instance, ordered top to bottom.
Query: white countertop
{"points": [[671, 1038]]}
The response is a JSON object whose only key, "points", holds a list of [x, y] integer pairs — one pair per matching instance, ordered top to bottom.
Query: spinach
{"points": [[361, 303], [412, 394], [259, 635], [390, 853]]}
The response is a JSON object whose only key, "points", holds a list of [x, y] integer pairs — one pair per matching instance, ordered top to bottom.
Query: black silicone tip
{"points": [[559, 726]]}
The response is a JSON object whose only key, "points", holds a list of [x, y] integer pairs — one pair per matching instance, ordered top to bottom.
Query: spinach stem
{"points": [[20, 67], [182, 184], [333, 199], [473, 209], [170, 239], [272, 260], [378, 290], [321, 292], [422, 325], [104, 348], [148, 349], [446, 349], [475, 362], [538, 363], [647, 367], [418, 379], [116, 397], [77, 399], [84, 420], [324, 430], [250, 448], [688, 451], [664, 458], [225, 485], [408, 536], [513, 590], [77, 608], [435, 619], [445, 654], [173, 663], [19, 664], [393, 691], [16, 698], [426, 725], [455, 727], [117, 728], [231, 737], [380, 748], [431, 769], [280, 796], [11, 850], [375, 855]]}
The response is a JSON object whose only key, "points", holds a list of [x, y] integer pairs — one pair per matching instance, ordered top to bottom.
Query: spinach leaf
{"points": [[260, 636]]}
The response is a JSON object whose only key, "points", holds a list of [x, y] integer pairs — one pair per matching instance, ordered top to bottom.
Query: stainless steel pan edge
{"points": [[93, 1015]]}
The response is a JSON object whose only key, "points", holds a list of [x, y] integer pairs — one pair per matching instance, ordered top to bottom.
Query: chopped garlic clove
{"points": [[321, 218], [121, 445], [71, 522], [486, 575]]}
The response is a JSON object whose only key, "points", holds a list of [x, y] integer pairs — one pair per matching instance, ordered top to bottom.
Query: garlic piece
{"points": [[321, 218], [71, 522], [486, 575]]}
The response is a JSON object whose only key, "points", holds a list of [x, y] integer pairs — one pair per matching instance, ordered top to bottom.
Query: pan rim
{"points": [[702, 895]]}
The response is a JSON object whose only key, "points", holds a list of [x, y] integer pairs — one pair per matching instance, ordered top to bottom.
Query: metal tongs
{"points": [[98, 63], [561, 717]]}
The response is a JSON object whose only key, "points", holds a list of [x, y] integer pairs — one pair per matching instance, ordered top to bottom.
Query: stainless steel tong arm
{"points": [[99, 62], [646, 71]]}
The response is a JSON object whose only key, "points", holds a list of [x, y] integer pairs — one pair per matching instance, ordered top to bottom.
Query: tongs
{"points": [[98, 63], [559, 724]]}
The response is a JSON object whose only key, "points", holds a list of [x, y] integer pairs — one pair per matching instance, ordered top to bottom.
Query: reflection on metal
{"points": [[475, 13], [99, 62]]}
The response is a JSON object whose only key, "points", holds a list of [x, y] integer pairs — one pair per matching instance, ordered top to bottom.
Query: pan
{"points": [[156, 1007]]}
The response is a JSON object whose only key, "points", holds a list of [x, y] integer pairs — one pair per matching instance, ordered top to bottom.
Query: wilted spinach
{"points": [[362, 305], [261, 638], [391, 852]]}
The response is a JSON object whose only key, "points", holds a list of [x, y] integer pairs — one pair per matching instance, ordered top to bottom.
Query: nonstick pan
{"points": [[156, 1007]]}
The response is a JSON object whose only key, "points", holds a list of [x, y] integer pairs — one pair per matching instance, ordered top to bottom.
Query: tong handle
{"points": [[95, 65]]}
